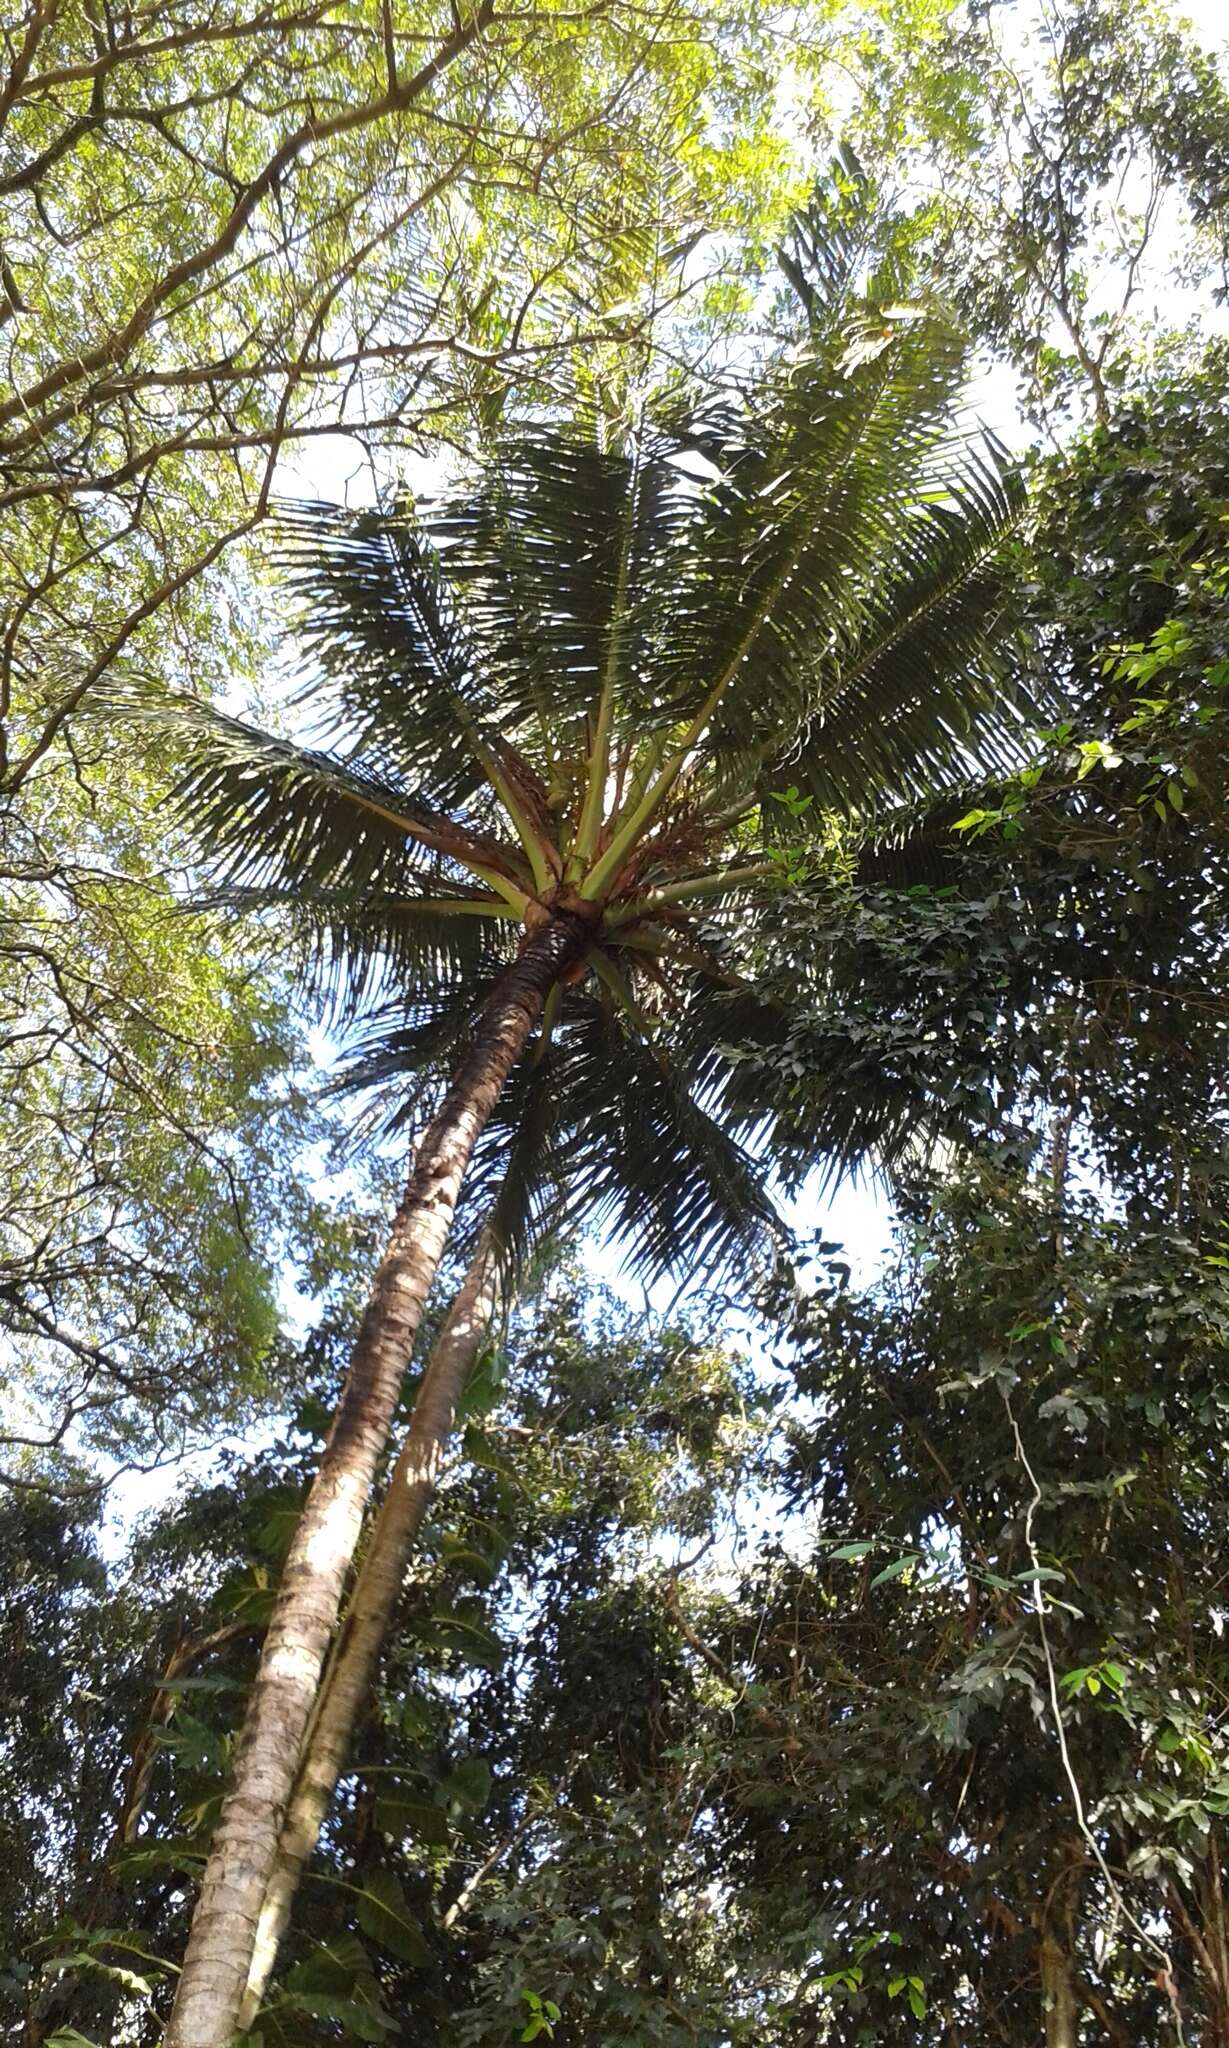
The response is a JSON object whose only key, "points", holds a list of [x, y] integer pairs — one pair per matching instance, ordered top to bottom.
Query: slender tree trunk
{"points": [[372, 1603], [241, 1861], [1214, 1916], [1061, 1990], [1058, 2000]]}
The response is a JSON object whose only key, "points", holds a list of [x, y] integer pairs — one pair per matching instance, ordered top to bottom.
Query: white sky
{"points": [[1209, 19]]}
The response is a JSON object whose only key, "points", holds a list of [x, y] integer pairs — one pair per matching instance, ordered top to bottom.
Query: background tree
{"points": [[1069, 169], [229, 233], [151, 1124], [960, 1858]]}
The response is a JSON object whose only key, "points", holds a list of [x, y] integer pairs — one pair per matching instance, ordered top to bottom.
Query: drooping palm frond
{"points": [[831, 254], [390, 666], [266, 810], [360, 950], [401, 1057], [788, 1074], [599, 1127], [651, 1163], [512, 1186]]}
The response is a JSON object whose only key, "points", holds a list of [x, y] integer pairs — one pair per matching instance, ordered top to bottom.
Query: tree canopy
{"points": [[632, 603]]}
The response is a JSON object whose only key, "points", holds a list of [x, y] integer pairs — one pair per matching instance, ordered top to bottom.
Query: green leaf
{"points": [[477, 1446], [463, 1558], [897, 1569], [470, 1640], [199, 1746], [469, 1784], [399, 1817], [382, 1913], [81, 1959], [543, 2012], [359, 2019]]}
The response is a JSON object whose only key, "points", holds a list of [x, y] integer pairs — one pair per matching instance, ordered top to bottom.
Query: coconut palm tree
{"points": [[583, 716], [590, 1126], [372, 1603]]}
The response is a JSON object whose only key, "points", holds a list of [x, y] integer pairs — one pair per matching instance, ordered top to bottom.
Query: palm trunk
{"points": [[372, 1603], [244, 1850]]}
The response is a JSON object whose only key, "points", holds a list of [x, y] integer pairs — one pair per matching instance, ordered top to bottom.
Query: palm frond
{"points": [[831, 242], [825, 466], [566, 555], [620, 651], [388, 661], [927, 693], [265, 810], [356, 948], [401, 1057], [801, 1089], [620, 1142], [650, 1162], [513, 1181]]}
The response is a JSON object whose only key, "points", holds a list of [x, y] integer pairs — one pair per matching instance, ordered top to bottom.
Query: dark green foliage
{"points": [[1077, 200], [48, 1655], [904, 1668]]}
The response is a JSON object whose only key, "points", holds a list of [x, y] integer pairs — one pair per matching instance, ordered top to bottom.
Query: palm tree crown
{"points": [[581, 683]]}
